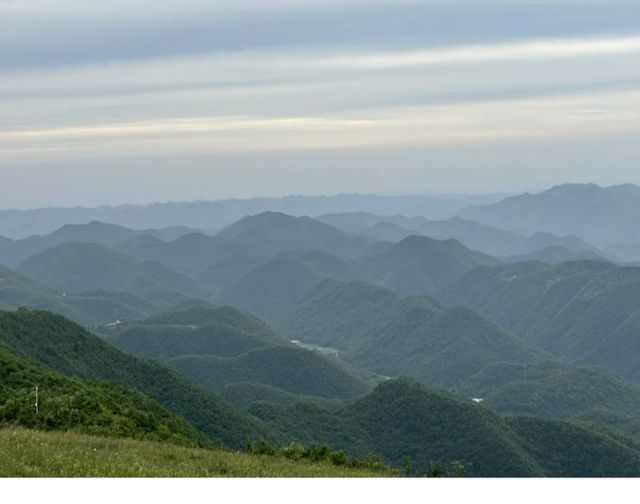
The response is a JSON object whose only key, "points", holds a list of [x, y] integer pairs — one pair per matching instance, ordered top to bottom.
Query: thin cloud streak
{"points": [[537, 49], [238, 67], [568, 116]]}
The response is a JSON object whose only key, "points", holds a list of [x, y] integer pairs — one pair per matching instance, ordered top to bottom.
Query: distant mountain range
{"points": [[212, 216], [608, 217], [509, 246]]}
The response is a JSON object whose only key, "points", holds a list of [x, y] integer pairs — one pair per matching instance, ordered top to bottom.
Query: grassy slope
{"points": [[40, 454]]}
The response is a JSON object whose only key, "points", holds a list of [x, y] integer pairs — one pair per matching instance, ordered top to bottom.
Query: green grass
{"points": [[30, 453]]}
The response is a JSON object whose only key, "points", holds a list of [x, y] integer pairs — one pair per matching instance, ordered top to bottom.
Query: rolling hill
{"points": [[278, 232], [473, 235], [540, 241], [243, 246], [15, 252], [554, 255], [421, 265], [78, 267], [275, 287], [91, 307], [571, 309], [394, 335], [56, 343], [218, 346], [459, 350], [291, 369], [404, 421]]}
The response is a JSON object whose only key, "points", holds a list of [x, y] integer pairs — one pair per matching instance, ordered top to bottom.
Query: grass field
{"points": [[62, 454]]}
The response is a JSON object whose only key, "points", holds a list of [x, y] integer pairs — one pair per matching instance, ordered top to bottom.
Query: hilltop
{"points": [[475, 236], [421, 265], [78, 267], [276, 286], [90, 307], [219, 347]]}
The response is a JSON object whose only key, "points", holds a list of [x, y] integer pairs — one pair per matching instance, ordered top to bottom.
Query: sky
{"points": [[142, 101]]}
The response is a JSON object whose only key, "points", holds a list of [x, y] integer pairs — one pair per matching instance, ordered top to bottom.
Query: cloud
{"points": [[49, 34], [543, 49], [100, 85], [568, 116]]}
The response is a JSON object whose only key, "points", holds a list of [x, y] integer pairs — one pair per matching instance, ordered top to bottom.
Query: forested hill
{"points": [[58, 344]]}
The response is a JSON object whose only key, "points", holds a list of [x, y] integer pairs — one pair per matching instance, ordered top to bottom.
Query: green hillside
{"points": [[279, 232], [475, 236], [540, 241], [14, 252], [190, 252], [554, 254], [225, 258], [422, 265], [78, 267], [276, 286], [91, 307], [583, 311], [202, 313], [193, 328], [394, 335], [53, 341], [165, 342], [234, 347], [457, 349], [620, 350], [291, 369], [559, 390], [245, 394], [101, 408], [401, 420], [40, 454]]}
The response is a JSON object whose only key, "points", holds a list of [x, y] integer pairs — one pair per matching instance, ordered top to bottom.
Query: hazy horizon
{"points": [[436, 195]]}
